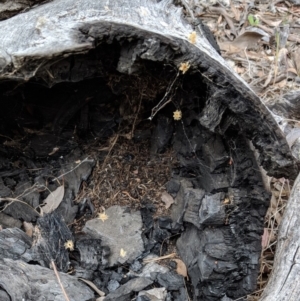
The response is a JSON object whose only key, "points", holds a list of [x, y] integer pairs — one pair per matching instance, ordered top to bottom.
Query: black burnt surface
{"points": [[220, 200]]}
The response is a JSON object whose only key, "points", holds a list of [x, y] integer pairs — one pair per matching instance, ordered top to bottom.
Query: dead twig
{"points": [[85, 160], [12, 200], [159, 258], [59, 281]]}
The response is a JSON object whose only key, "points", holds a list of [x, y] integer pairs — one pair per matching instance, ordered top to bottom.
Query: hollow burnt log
{"points": [[158, 33], [95, 56]]}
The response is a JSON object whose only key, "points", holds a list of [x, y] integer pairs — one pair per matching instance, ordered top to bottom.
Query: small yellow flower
{"points": [[192, 37], [184, 67], [177, 115], [226, 201], [103, 216], [69, 245], [122, 253]]}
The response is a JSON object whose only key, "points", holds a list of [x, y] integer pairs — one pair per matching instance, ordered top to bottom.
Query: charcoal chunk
{"points": [[161, 134], [212, 210], [91, 255], [170, 280], [123, 292]]}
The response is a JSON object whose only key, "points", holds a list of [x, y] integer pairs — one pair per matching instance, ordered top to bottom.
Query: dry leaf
{"points": [[236, 12], [269, 22], [193, 37], [247, 40], [229, 48], [292, 70], [167, 199], [53, 200], [103, 216], [28, 227], [265, 238], [123, 253], [181, 268]]}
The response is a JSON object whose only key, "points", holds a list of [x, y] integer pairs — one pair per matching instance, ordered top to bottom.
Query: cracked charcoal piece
{"points": [[161, 134], [74, 174], [173, 186], [187, 203], [85, 206], [212, 209], [147, 211], [165, 222], [50, 235], [160, 235], [91, 253], [228, 254], [136, 266], [170, 280], [113, 285], [123, 292], [155, 294]]}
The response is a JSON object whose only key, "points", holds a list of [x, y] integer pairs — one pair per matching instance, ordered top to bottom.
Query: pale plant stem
{"points": [[59, 281]]}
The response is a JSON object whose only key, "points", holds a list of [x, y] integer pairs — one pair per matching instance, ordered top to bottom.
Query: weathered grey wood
{"points": [[9, 8], [32, 41], [23, 281], [284, 282]]}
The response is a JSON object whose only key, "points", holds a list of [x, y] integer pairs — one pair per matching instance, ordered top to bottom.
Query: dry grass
{"points": [[127, 175]]}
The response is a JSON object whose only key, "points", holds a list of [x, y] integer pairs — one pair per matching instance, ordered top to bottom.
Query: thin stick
{"points": [[160, 105], [135, 118], [115, 139], [85, 160], [11, 200], [159, 258], [59, 281], [186, 290]]}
